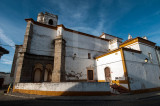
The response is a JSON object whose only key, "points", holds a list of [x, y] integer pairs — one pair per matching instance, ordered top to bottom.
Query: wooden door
{"points": [[90, 74], [107, 74]]}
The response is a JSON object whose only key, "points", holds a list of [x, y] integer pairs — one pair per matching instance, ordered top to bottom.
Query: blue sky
{"points": [[115, 17]]}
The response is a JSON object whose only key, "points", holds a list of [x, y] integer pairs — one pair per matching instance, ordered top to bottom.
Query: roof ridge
{"points": [[61, 25]]}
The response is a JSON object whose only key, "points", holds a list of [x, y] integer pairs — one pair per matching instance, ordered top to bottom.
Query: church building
{"points": [[54, 59]]}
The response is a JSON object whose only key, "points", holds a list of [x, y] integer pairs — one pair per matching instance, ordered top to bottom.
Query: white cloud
{"points": [[72, 12], [75, 14], [107, 17], [154, 36], [6, 39], [6, 61]]}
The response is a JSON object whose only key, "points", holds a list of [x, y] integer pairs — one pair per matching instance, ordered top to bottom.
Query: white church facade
{"points": [[55, 60]]}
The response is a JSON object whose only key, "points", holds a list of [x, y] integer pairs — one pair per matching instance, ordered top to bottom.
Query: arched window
{"points": [[50, 22], [48, 73], [37, 75], [49, 76]]}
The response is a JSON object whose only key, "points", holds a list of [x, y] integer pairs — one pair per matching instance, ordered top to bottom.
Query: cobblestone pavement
{"points": [[34, 100]]}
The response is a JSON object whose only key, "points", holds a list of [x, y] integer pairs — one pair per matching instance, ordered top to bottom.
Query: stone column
{"points": [[18, 47], [25, 48], [58, 73]]}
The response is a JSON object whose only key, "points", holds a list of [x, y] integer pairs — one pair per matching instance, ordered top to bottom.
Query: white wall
{"points": [[42, 41], [113, 44], [81, 45], [134, 46], [149, 49], [114, 62], [142, 75], [67, 86]]}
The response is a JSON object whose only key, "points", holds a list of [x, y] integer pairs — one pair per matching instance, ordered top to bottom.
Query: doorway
{"points": [[107, 74]]}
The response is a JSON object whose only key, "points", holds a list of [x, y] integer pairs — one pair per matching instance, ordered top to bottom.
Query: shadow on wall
{"points": [[144, 83], [88, 89]]}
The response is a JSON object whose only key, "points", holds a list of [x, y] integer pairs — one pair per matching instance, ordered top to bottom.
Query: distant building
{"points": [[3, 51], [52, 54], [5, 79]]}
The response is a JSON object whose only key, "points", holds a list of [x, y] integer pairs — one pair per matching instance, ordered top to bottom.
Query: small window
{"points": [[50, 22], [89, 55], [150, 57], [90, 74]]}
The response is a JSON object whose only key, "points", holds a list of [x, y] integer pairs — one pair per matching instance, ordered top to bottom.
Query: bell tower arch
{"points": [[47, 18]]}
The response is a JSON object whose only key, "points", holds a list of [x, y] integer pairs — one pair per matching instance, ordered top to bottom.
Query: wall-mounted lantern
{"points": [[146, 60]]}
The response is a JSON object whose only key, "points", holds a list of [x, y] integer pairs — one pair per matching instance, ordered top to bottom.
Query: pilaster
{"points": [[25, 48], [58, 73]]}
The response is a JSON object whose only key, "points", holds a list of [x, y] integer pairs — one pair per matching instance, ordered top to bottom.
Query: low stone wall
{"points": [[64, 88]]}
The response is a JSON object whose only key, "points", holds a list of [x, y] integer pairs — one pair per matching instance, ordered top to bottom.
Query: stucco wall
{"points": [[42, 41], [81, 45], [113, 45], [149, 49], [114, 62], [142, 75], [67, 86]]}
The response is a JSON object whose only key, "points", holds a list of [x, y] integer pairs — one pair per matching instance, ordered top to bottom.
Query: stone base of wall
{"points": [[64, 89]]}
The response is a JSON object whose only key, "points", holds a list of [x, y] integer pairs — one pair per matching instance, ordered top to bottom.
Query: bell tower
{"points": [[47, 18]]}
